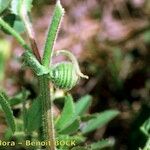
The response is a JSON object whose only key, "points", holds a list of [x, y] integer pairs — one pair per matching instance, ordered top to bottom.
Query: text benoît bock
{"points": [[38, 143]]}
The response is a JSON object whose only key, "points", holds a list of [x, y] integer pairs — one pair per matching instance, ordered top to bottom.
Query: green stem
{"points": [[28, 25], [9, 29], [52, 34], [44, 83], [44, 89], [49, 133]]}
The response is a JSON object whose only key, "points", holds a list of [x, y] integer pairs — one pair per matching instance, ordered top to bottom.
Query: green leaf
{"points": [[4, 5], [16, 5], [15, 22], [18, 25], [52, 33], [15, 34], [5, 51], [18, 98], [82, 105], [80, 108], [8, 112], [67, 113], [34, 115], [88, 117], [101, 120], [71, 128], [145, 128], [77, 138], [102, 144], [80, 148]]}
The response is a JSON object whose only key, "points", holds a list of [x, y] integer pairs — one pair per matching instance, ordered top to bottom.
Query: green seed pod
{"points": [[64, 75]]}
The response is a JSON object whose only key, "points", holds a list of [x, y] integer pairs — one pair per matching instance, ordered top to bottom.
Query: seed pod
{"points": [[64, 75]]}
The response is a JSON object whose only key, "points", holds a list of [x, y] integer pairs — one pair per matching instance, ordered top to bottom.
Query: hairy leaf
{"points": [[15, 22], [52, 33], [18, 98], [82, 105], [80, 108], [8, 112], [67, 113], [34, 115], [101, 120], [71, 128], [78, 138], [102, 144], [80, 148]]}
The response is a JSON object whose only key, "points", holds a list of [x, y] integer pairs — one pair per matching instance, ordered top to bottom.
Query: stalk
{"points": [[9, 29], [52, 34], [46, 61], [44, 89], [47, 116]]}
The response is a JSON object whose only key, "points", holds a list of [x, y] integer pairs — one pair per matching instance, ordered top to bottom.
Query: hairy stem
{"points": [[9, 29], [30, 31], [52, 34], [47, 56], [44, 89], [49, 133]]}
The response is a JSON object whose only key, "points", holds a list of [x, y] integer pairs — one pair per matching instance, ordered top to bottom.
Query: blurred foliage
{"points": [[4, 56]]}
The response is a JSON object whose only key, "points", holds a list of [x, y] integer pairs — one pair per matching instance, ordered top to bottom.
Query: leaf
{"points": [[4, 5], [16, 5], [15, 22], [18, 25], [52, 33], [5, 52], [18, 98], [82, 105], [80, 108], [8, 112], [67, 113], [34, 115], [88, 117], [101, 120], [71, 128], [145, 128], [78, 138], [103, 144], [80, 148]]}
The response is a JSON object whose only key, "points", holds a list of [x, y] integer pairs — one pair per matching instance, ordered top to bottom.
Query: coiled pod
{"points": [[65, 75]]}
